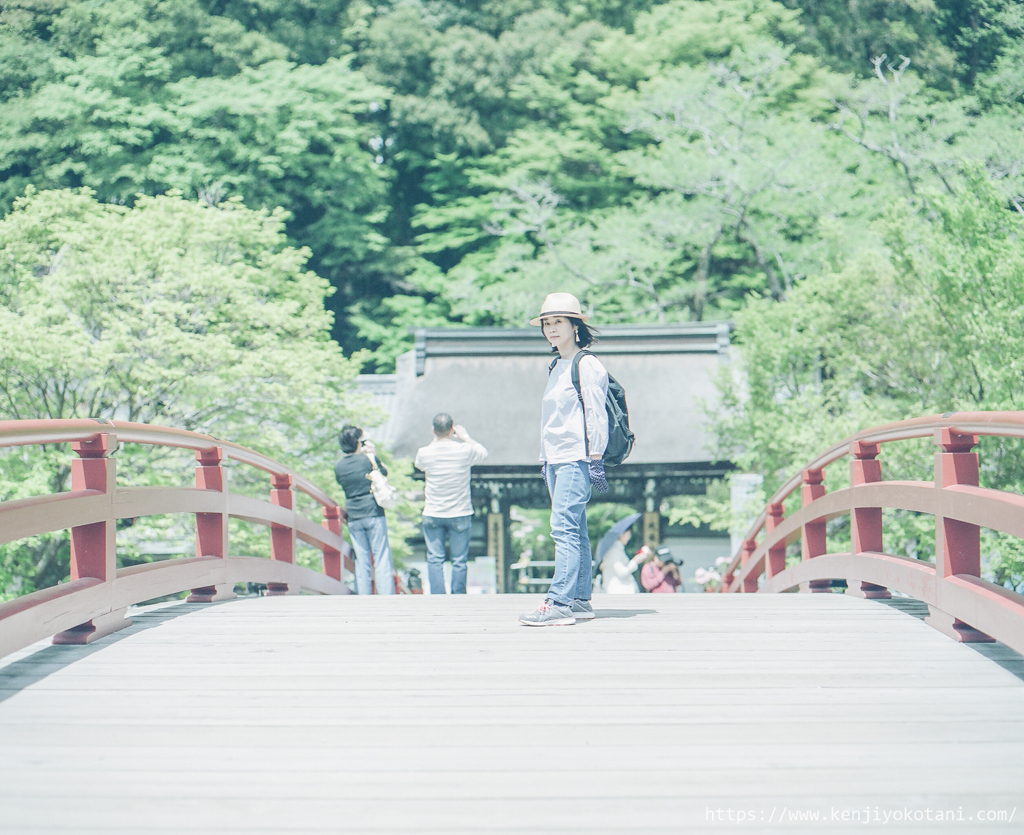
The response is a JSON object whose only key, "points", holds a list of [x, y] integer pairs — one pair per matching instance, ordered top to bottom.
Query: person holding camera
{"points": [[448, 509], [367, 526], [660, 575]]}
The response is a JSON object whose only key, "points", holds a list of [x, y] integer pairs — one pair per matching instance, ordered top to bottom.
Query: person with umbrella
{"points": [[574, 435], [616, 568]]}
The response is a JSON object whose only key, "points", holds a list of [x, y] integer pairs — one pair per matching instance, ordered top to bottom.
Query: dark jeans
{"points": [[457, 530]]}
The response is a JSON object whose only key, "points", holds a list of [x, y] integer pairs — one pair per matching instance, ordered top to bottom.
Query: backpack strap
{"points": [[575, 370], [576, 373], [579, 395]]}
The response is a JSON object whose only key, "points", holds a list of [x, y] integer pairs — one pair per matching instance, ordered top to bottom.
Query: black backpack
{"points": [[620, 438]]}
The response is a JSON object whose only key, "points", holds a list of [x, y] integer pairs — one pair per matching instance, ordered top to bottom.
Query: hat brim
{"points": [[545, 314]]}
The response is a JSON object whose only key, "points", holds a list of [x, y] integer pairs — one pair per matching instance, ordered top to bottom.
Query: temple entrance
{"points": [[491, 381]]}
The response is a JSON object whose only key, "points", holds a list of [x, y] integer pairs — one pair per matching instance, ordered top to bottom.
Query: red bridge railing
{"points": [[94, 601], [961, 604]]}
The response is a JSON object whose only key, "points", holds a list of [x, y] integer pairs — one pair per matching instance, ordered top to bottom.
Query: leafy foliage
{"points": [[150, 95], [700, 159], [665, 160], [174, 313], [935, 327]]}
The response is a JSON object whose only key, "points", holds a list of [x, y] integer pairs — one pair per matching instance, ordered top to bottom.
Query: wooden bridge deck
{"points": [[427, 714]]}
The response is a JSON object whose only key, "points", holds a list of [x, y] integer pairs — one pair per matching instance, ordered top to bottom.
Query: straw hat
{"points": [[560, 304]]}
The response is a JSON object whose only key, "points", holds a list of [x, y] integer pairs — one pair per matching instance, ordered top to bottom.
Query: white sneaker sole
{"points": [[584, 615], [560, 622]]}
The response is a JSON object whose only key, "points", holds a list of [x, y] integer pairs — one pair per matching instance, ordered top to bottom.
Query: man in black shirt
{"points": [[366, 523]]}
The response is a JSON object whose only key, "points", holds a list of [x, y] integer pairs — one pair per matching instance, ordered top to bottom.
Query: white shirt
{"points": [[561, 422], [446, 462]]}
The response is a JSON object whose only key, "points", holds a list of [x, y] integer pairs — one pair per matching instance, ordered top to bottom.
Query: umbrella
{"points": [[619, 528]]}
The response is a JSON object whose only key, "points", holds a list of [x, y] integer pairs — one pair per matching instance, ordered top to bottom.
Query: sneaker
{"points": [[582, 610], [549, 613]]}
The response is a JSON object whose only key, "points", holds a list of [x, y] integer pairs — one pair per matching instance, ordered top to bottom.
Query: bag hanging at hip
{"points": [[384, 494]]}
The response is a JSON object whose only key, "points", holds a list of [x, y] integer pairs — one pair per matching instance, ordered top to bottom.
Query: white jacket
{"points": [[561, 424], [617, 571]]}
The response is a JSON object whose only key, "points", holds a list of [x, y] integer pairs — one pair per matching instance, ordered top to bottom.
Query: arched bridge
{"points": [[667, 713]]}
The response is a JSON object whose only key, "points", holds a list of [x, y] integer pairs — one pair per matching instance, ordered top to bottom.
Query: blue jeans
{"points": [[569, 488], [457, 529], [370, 537]]}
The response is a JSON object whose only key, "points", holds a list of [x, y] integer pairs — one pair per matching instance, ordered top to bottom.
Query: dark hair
{"points": [[585, 336], [442, 424], [349, 438]]}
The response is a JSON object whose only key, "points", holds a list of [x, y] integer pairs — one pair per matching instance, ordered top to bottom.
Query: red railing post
{"points": [[865, 522], [212, 528], [282, 537], [813, 541], [957, 544], [94, 546], [332, 556], [775, 559], [727, 579], [749, 580]]}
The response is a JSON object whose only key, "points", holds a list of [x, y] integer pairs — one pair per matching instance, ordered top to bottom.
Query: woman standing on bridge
{"points": [[567, 434]]}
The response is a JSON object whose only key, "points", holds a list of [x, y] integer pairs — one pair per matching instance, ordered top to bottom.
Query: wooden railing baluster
{"points": [[332, 518], [865, 522], [212, 528], [282, 538], [813, 540], [957, 543], [94, 546], [775, 558], [749, 580]]}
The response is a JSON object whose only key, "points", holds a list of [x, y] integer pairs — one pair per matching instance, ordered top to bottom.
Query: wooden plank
{"points": [[128, 782]]}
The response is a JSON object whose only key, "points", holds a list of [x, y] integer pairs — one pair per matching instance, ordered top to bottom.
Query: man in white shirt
{"points": [[448, 511]]}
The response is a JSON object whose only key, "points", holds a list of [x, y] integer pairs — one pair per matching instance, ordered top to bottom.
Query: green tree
{"points": [[954, 42], [146, 96], [923, 136], [458, 139], [427, 151], [715, 161], [709, 166], [174, 313], [935, 325]]}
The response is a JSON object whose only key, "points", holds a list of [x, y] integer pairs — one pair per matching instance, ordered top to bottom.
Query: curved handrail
{"points": [[24, 432], [93, 603], [962, 605]]}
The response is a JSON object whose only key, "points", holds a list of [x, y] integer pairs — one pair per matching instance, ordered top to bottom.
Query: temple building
{"points": [[491, 381]]}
